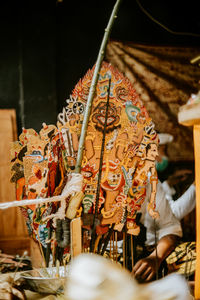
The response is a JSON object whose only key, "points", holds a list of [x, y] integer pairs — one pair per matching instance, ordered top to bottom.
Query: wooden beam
{"points": [[189, 115], [196, 132], [76, 234]]}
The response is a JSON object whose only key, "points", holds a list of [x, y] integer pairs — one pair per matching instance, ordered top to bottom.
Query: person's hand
{"points": [[145, 269]]}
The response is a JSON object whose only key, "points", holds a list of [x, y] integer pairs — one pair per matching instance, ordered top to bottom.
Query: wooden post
{"points": [[189, 115], [196, 133], [14, 237], [76, 237]]}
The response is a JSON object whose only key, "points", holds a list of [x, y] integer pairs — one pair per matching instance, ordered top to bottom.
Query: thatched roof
{"points": [[164, 78]]}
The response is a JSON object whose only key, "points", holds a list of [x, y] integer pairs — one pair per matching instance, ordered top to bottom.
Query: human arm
{"points": [[185, 204], [168, 230], [145, 269]]}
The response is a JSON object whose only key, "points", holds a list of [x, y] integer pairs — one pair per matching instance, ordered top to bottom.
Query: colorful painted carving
{"points": [[130, 148], [129, 154], [41, 163], [37, 168]]}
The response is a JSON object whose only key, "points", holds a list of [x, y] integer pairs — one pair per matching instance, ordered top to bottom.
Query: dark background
{"points": [[47, 46]]}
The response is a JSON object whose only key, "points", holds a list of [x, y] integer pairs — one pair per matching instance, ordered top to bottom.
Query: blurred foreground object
{"points": [[93, 277], [10, 290]]}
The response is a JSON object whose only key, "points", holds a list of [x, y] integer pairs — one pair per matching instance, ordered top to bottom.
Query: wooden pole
{"points": [[93, 85], [189, 115], [196, 133], [76, 237]]}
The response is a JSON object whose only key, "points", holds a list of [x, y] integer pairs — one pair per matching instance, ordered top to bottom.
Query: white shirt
{"points": [[183, 205], [166, 224]]}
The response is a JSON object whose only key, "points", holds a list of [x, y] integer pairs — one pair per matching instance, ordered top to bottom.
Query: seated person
{"points": [[168, 229], [165, 232]]}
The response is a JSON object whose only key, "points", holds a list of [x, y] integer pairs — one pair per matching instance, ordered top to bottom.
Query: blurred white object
{"points": [[194, 98], [165, 138], [93, 277]]}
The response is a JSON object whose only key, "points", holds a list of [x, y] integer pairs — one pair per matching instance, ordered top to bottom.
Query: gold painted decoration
{"points": [[129, 152], [118, 160], [38, 172]]}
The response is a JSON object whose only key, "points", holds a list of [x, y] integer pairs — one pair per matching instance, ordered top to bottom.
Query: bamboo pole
{"points": [[93, 85]]}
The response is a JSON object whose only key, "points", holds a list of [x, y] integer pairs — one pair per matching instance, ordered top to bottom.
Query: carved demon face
{"points": [[99, 116]]}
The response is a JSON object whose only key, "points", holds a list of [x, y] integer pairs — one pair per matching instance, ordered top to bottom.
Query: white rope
{"points": [[73, 185]]}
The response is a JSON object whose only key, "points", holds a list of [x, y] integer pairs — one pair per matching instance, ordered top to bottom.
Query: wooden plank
{"points": [[189, 115], [196, 132], [12, 223], [76, 237], [15, 245]]}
